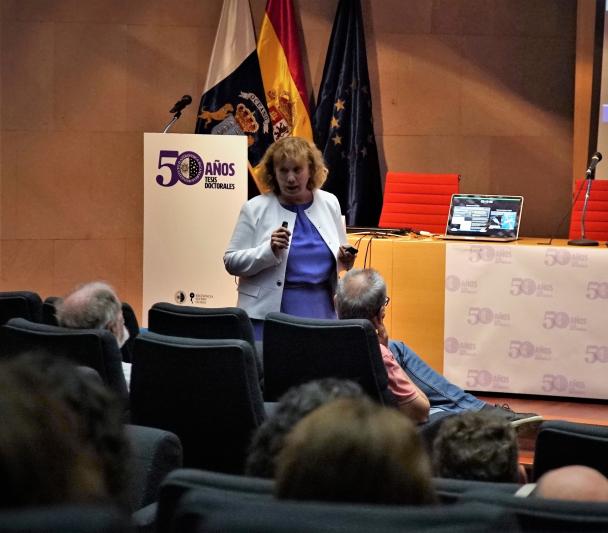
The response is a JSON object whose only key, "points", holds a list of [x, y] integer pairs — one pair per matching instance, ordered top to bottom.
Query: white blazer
{"points": [[249, 256]]}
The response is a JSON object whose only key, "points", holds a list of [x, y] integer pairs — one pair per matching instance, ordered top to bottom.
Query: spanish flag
{"points": [[282, 72]]}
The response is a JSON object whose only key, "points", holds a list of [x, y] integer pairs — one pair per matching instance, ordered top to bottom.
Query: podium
{"points": [[194, 187]]}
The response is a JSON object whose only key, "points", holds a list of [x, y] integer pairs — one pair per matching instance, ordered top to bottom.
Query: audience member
{"points": [[361, 293], [95, 305], [294, 405], [98, 414], [477, 446], [354, 450], [42, 459], [574, 482]]}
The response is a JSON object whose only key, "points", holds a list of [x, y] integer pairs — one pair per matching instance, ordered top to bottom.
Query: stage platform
{"points": [[551, 408]]}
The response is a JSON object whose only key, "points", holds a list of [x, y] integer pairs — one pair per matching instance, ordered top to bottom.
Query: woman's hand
{"points": [[279, 240], [345, 257]]}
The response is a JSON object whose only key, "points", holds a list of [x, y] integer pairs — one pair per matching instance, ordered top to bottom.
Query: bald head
{"points": [[360, 294], [93, 305], [573, 482]]}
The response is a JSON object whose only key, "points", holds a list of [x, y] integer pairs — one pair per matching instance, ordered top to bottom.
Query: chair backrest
{"points": [[417, 200], [596, 219], [23, 304], [48, 310], [200, 322], [131, 323], [204, 323], [132, 326], [94, 348], [298, 350], [205, 391], [561, 443], [155, 453], [215, 484], [451, 490], [219, 514], [539, 514], [65, 519]]}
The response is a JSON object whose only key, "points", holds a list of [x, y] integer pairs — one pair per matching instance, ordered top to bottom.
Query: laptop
{"points": [[484, 217]]}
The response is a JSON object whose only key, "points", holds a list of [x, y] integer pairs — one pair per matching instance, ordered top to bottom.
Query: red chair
{"points": [[417, 200], [596, 219]]}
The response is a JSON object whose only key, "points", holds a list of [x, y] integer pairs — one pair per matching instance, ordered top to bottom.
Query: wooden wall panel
{"points": [[480, 87]]}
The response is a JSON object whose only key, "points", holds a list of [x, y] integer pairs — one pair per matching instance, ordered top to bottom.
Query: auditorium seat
{"points": [[420, 201], [596, 219], [23, 304], [131, 323], [204, 323], [95, 348], [298, 350], [206, 391], [562, 443], [155, 453], [221, 485], [452, 490], [198, 510], [538, 514], [65, 519]]}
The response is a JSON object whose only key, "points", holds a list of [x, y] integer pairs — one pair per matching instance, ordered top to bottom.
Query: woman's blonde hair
{"points": [[295, 148]]}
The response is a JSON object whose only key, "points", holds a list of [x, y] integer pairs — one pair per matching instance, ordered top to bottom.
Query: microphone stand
{"points": [[173, 121], [584, 241]]}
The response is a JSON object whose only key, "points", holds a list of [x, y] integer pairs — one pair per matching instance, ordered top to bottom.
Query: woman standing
{"points": [[289, 244]]}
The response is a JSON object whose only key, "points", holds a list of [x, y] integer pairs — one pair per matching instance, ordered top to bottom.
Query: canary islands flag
{"points": [[282, 71], [233, 100]]}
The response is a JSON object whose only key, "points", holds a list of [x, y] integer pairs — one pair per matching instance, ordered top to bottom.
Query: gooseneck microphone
{"points": [[187, 100], [177, 109], [589, 175]]}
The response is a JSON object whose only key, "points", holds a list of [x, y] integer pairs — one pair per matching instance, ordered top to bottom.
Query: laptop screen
{"points": [[479, 215]]}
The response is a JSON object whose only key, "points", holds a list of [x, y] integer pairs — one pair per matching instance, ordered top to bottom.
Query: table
{"points": [[542, 331]]}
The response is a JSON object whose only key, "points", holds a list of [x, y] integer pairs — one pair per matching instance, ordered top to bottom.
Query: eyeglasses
{"points": [[386, 302]]}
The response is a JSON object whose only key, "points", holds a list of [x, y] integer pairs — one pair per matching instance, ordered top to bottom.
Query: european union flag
{"points": [[343, 124]]}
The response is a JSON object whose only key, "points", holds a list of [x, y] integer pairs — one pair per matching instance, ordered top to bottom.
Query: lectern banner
{"points": [[194, 187], [526, 319]]}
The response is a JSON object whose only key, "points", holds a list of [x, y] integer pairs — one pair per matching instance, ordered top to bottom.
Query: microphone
{"points": [[187, 100], [595, 159]]}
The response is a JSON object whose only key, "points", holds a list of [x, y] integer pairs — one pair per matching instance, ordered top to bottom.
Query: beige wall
{"points": [[479, 87]]}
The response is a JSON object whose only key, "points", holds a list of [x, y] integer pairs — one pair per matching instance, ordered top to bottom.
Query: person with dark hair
{"points": [[290, 243], [361, 293], [294, 405], [97, 412], [477, 446], [354, 450], [42, 458]]}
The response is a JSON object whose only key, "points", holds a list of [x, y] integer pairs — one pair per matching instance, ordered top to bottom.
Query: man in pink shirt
{"points": [[362, 294]]}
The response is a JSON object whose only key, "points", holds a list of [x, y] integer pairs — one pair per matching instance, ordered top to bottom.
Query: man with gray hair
{"points": [[361, 293], [94, 305]]}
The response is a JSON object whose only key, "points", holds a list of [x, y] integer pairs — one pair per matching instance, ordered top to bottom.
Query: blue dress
{"points": [[307, 290]]}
